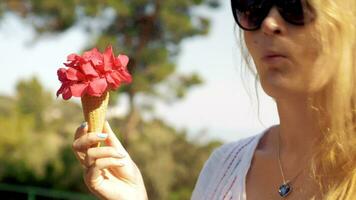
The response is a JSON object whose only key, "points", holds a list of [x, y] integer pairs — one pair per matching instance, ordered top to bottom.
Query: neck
{"points": [[299, 129]]}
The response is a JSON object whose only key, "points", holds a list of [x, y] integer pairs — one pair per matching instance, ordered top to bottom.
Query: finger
{"points": [[81, 130], [87, 140], [113, 140], [101, 152], [81, 157], [103, 163], [93, 175]]}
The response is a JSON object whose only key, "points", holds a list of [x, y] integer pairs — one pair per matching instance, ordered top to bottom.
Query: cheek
{"points": [[251, 44], [253, 48], [317, 68], [309, 71], [319, 75]]}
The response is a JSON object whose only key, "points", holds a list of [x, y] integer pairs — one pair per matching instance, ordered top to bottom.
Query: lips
{"points": [[273, 54], [273, 57]]}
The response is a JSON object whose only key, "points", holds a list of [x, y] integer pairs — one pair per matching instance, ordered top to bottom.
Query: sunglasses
{"points": [[249, 14]]}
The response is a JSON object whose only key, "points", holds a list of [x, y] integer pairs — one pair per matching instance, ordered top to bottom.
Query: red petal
{"points": [[94, 56], [72, 57], [109, 59], [123, 59], [74, 61], [70, 64], [88, 69], [61, 73], [74, 75], [125, 76], [116, 77], [110, 79], [114, 80], [97, 87], [60, 90], [78, 90], [66, 93]]}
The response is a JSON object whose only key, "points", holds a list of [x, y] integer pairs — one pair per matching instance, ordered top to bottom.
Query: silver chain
{"points": [[280, 164]]}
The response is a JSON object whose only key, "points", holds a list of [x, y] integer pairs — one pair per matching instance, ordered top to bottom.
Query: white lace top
{"points": [[223, 175]]}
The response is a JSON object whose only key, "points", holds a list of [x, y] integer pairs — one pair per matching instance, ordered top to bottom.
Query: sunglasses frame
{"points": [[306, 9]]}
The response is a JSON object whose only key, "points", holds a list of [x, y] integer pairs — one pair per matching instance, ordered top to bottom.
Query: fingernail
{"points": [[83, 125], [102, 135]]}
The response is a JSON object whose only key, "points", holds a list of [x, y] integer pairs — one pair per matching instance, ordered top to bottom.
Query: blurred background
{"points": [[191, 91]]}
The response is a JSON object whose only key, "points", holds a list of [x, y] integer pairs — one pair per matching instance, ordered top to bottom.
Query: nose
{"points": [[273, 23]]}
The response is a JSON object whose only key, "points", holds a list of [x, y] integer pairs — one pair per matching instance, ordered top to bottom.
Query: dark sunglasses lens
{"points": [[249, 14]]}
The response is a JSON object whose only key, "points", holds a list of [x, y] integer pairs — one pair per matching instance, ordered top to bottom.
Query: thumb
{"points": [[112, 140]]}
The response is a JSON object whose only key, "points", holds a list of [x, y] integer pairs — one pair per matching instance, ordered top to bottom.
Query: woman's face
{"points": [[285, 56]]}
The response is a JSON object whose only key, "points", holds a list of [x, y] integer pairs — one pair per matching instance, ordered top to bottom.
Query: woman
{"points": [[304, 56]]}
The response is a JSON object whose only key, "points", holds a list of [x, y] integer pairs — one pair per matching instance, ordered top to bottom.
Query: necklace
{"points": [[285, 189]]}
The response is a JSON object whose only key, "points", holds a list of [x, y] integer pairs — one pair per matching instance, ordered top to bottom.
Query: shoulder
{"points": [[239, 145], [218, 160]]}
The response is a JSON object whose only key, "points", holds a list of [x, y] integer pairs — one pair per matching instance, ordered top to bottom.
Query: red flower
{"points": [[93, 73]]}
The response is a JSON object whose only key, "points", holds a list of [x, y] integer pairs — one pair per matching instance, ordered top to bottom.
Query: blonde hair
{"points": [[334, 163]]}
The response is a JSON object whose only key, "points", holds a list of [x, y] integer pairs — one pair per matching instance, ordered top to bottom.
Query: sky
{"points": [[218, 109]]}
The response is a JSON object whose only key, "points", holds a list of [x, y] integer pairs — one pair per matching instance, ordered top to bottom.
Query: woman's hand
{"points": [[109, 171]]}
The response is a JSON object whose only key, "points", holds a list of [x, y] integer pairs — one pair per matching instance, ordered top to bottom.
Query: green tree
{"points": [[149, 31], [32, 99], [42, 157]]}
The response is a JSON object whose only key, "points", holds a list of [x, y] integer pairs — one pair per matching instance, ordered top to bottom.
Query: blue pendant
{"points": [[284, 190]]}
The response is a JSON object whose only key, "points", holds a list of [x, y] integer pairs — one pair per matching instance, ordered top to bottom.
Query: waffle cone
{"points": [[94, 110]]}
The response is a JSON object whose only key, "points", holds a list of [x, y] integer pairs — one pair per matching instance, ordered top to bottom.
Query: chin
{"points": [[283, 90]]}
